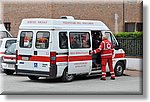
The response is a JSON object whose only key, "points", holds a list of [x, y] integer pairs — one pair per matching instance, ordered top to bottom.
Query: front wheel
{"points": [[119, 69], [67, 77]]}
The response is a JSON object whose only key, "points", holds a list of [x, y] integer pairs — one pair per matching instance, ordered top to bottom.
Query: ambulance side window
{"points": [[108, 35], [26, 39], [112, 39], [42, 40], [63, 40], [79, 40], [114, 42]]}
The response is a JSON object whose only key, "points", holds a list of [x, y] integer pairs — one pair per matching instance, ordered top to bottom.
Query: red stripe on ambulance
{"points": [[1, 52], [120, 55], [12, 58], [36, 58], [40, 58], [58, 58], [79, 58], [62, 59]]}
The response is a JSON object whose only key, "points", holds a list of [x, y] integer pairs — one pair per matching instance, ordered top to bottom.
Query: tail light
{"points": [[52, 57]]}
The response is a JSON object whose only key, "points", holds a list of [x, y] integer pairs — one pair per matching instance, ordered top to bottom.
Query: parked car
{"points": [[4, 44], [9, 59]]}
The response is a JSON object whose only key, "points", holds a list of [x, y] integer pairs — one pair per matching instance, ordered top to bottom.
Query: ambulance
{"points": [[4, 34], [62, 48]]}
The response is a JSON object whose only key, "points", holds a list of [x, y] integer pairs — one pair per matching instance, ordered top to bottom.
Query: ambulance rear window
{"points": [[26, 39], [42, 40]]}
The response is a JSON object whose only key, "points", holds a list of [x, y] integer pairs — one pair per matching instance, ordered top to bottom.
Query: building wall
{"points": [[15, 12], [102, 12], [134, 12]]}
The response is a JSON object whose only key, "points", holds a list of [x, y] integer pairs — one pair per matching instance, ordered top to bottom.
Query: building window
{"points": [[7, 25], [133, 26], [129, 27], [139, 27]]}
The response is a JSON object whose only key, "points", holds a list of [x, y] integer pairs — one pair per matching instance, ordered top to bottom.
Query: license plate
{"points": [[25, 58], [11, 65]]}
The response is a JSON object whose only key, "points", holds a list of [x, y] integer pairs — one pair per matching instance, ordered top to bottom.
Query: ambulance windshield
{"points": [[9, 42], [11, 50]]}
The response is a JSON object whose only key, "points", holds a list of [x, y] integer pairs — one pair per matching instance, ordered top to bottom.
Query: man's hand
{"points": [[93, 52]]}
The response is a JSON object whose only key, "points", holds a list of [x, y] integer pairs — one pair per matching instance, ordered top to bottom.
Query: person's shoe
{"points": [[103, 78], [112, 78]]}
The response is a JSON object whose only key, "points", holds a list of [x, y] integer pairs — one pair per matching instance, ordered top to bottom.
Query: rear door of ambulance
{"points": [[25, 50], [33, 52], [41, 52], [79, 57]]}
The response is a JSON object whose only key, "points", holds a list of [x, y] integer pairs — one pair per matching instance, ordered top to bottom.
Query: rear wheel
{"points": [[119, 69], [9, 72], [32, 77], [67, 77]]}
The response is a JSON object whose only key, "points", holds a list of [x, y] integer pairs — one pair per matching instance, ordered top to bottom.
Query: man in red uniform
{"points": [[106, 50]]}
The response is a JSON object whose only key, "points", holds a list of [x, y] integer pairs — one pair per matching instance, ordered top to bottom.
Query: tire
{"points": [[119, 69], [9, 72], [32, 77], [67, 77]]}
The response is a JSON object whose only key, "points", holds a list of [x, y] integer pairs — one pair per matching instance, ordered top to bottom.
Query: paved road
{"points": [[131, 83]]}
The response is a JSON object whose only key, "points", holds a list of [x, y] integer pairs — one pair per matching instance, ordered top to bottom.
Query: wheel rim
{"points": [[119, 69], [69, 76]]}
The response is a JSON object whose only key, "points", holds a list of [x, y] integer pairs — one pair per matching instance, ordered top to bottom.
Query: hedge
{"points": [[129, 35]]}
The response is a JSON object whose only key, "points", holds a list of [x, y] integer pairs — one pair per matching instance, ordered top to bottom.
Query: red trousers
{"points": [[110, 64]]}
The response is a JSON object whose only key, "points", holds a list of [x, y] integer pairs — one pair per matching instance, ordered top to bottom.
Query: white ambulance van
{"points": [[55, 48]]}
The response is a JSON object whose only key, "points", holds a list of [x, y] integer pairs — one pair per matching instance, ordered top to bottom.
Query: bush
{"points": [[129, 35]]}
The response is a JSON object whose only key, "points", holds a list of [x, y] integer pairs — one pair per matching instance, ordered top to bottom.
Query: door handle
{"points": [[35, 52], [90, 52]]}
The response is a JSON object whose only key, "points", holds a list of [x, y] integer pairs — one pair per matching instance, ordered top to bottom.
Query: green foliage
{"points": [[129, 35]]}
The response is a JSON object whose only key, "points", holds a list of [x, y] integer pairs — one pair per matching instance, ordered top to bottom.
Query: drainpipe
{"points": [[116, 23]]}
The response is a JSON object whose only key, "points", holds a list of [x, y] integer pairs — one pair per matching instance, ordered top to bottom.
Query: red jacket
{"points": [[105, 48]]}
